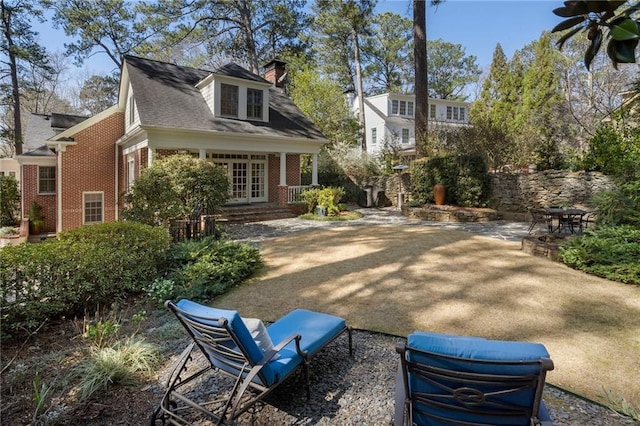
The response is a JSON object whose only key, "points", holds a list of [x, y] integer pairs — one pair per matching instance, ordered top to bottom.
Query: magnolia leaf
{"points": [[599, 6], [568, 12], [568, 23], [626, 30], [567, 36], [593, 49], [625, 51], [612, 54]]}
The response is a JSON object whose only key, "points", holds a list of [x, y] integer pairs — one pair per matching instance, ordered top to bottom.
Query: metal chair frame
{"points": [[540, 216], [219, 344], [467, 396]]}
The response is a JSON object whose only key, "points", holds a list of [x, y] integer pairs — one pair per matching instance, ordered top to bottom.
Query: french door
{"points": [[247, 176]]}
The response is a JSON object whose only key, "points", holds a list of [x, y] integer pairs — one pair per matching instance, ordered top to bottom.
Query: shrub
{"points": [[614, 150], [465, 177], [328, 198], [9, 201], [619, 206], [610, 252], [207, 268], [82, 269]]}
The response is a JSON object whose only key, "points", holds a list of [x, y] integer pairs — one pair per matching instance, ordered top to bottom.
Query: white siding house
{"points": [[390, 119]]}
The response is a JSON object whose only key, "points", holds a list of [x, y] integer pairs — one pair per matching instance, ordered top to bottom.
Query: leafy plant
{"points": [[327, 198], [9, 201], [619, 206], [208, 267], [160, 289], [101, 333], [41, 396]]}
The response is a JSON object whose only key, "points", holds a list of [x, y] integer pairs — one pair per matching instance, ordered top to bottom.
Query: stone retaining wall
{"points": [[521, 192], [512, 194]]}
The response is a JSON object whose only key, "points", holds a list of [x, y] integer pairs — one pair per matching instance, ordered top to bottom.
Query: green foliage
{"points": [[620, 25], [450, 70], [615, 151], [464, 176], [176, 187], [327, 198], [9, 201], [619, 206], [610, 252], [207, 268], [82, 269], [160, 289], [102, 332], [120, 364], [41, 396], [621, 405]]}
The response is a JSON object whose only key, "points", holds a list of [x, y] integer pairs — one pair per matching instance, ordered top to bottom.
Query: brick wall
{"points": [[89, 166], [293, 174], [29, 188]]}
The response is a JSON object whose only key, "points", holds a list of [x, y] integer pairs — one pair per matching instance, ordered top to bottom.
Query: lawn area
{"points": [[398, 279]]}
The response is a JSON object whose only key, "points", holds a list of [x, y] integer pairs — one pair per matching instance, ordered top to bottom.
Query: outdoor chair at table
{"points": [[540, 216], [589, 218], [567, 219], [240, 349], [445, 379]]}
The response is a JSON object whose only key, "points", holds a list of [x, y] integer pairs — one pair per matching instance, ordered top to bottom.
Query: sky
{"points": [[478, 25]]}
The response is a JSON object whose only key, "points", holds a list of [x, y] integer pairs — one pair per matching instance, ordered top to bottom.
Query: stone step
{"points": [[255, 214]]}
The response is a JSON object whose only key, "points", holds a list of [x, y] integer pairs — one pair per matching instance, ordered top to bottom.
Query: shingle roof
{"points": [[166, 96], [39, 128]]}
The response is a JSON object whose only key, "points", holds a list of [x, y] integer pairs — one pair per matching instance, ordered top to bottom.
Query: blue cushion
{"points": [[317, 330], [473, 348], [253, 352]]}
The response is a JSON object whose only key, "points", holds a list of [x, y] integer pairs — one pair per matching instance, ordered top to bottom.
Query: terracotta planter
{"points": [[439, 194]]}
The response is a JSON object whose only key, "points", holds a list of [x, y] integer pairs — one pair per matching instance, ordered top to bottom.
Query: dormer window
{"points": [[229, 100], [254, 104]]}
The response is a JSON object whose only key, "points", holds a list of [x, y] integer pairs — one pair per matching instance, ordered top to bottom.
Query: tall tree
{"points": [[345, 22], [112, 27], [248, 31], [20, 49], [388, 54], [450, 70], [420, 75], [99, 93], [323, 101]]}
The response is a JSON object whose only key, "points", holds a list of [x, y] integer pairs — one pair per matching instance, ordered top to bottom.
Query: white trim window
{"points": [[228, 100], [254, 103], [394, 107], [403, 107], [410, 109], [132, 111], [432, 111], [449, 112], [455, 113], [462, 113], [374, 136], [405, 136], [131, 171], [46, 180], [92, 207]]}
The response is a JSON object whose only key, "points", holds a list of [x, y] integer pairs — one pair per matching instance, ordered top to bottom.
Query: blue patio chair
{"points": [[244, 354], [458, 380]]}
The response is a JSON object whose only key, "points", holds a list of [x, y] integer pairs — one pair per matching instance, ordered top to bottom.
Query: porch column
{"points": [[59, 150], [203, 154], [151, 156], [283, 169], [314, 170], [283, 190]]}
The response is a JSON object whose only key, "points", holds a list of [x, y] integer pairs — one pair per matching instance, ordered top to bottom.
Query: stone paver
{"points": [[259, 231]]}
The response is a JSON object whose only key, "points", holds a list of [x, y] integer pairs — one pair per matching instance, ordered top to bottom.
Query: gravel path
{"points": [[360, 390]]}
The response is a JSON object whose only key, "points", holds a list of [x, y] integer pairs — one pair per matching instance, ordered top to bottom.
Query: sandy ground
{"points": [[396, 279]]}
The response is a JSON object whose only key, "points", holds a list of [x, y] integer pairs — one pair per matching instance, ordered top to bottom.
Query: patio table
{"points": [[566, 218]]}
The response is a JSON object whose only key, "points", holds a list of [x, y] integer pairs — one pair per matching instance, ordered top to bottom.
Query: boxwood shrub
{"points": [[83, 269]]}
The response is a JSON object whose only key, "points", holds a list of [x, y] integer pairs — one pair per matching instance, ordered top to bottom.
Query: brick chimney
{"points": [[275, 72]]}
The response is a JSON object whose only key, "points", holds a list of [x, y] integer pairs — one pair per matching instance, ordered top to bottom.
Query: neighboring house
{"points": [[230, 117], [390, 120]]}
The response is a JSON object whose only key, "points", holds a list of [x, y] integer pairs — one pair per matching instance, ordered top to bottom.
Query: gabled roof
{"points": [[166, 96], [41, 127]]}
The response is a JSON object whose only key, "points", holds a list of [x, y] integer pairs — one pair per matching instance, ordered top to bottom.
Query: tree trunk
{"points": [[250, 43], [420, 66], [15, 89], [361, 119]]}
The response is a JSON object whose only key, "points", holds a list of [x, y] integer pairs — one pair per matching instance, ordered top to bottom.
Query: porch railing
{"points": [[294, 193]]}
